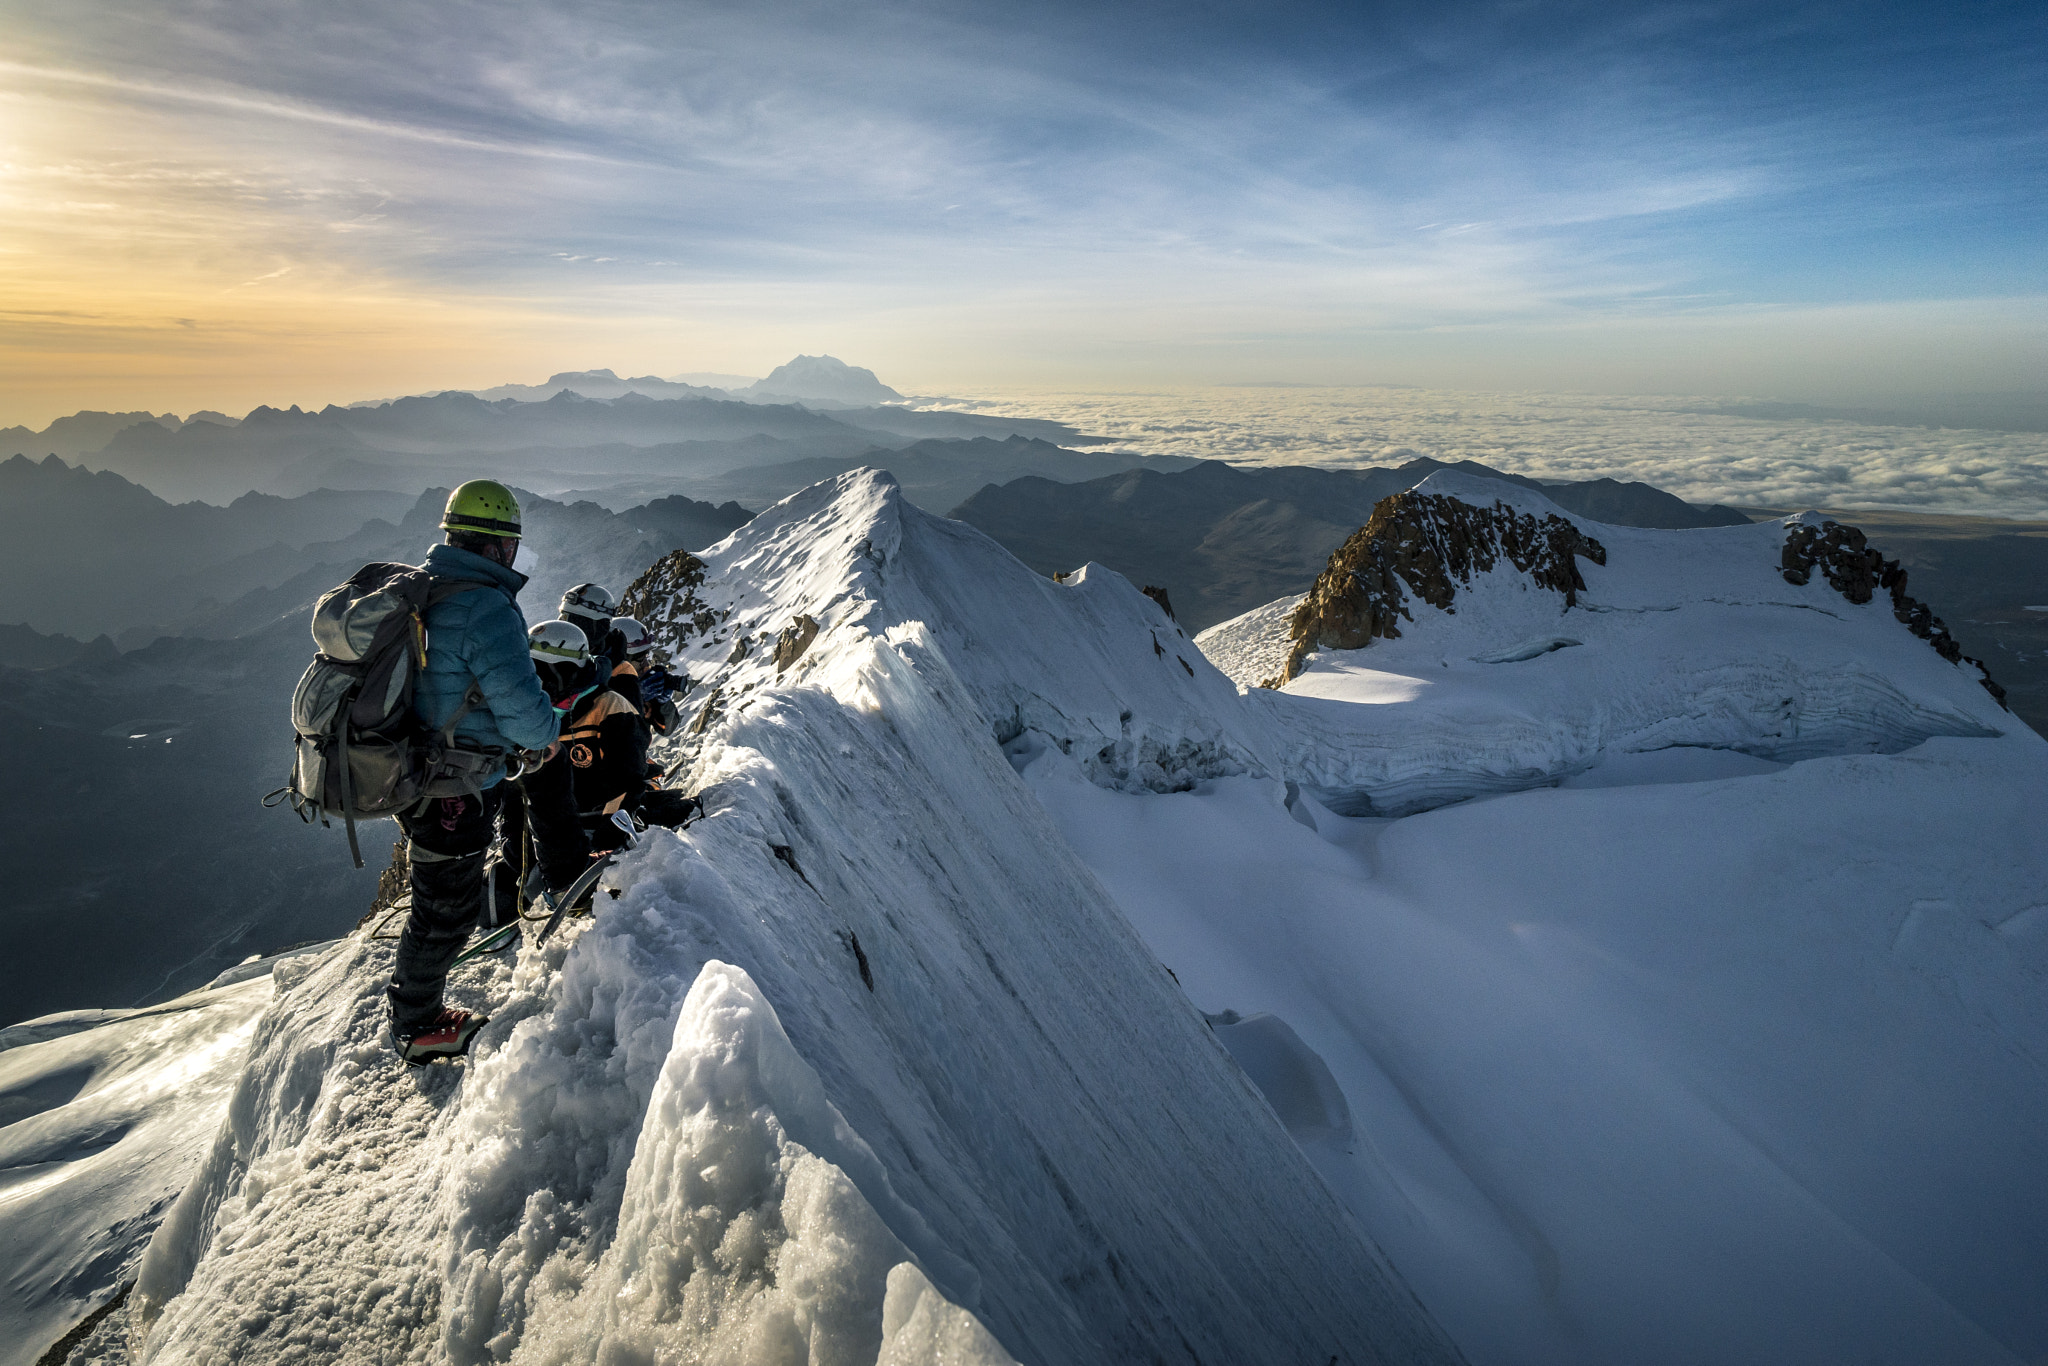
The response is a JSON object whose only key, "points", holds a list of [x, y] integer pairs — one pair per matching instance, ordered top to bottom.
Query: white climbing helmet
{"points": [[592, 600], [558, 642], [638, 642]]}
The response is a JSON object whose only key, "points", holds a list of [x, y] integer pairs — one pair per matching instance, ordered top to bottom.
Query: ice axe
{"points": [[558, 903]]}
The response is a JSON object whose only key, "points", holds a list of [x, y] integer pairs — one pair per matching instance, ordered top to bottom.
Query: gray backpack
{"points": [[360, 750]]}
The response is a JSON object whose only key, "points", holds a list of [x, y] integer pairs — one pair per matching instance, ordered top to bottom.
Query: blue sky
{"points": [[1799, 199]]}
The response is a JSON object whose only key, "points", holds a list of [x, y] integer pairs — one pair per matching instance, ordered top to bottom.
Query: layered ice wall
{"points": [[863, 1066]]}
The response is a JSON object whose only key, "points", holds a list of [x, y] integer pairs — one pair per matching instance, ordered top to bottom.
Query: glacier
{"points": [[1655, 978]]}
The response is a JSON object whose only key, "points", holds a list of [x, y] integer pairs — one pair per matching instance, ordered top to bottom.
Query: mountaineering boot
{"points": [[447, 1035]]}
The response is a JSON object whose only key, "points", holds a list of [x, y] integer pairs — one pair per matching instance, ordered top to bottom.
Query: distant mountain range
{"points": [[815, 381], [588, 384], [583, 430], [88, 432], [567, 441], [1222, 539], [85, 553], [24, 647]]}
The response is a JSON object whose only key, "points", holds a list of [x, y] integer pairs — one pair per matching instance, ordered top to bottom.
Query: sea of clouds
{"points": [[1671, 442]]}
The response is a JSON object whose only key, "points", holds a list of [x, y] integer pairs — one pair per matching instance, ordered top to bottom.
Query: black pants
{"points": [[539, 826], [448, 843]]}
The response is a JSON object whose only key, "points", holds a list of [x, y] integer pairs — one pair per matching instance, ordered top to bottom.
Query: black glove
{"points": [[664, 806]]}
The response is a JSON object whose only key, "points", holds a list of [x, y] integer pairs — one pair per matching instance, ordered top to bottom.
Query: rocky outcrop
{"points": [[1427, 544], [1857, 571], [667, 601], [793, 641]]}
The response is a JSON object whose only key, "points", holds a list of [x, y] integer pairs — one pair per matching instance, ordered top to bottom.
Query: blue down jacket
{"points": [[480, 636]]}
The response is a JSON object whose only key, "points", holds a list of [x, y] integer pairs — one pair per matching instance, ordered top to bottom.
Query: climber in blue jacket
{"points": [[478, 672]]}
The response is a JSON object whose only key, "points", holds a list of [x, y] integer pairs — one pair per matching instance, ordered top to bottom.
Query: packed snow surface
{"points": [[1671, 992], [1721, 1036], [1700, 1070]]}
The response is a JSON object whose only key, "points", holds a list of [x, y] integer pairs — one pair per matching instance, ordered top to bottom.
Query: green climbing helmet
{"points": [[484, 506]]}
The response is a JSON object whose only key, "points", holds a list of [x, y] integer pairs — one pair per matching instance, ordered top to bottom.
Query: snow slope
{"points": [[1721, 1036], [864, 1066], [1708, 1070], [103, 1117]]}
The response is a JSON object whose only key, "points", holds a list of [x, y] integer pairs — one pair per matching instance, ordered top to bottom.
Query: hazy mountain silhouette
{"points": [[825, 379], [597, 384], [79, 434], [566, 441], [411, 442], [935, 474], [565, 544], [85, 552], [24, 647]]}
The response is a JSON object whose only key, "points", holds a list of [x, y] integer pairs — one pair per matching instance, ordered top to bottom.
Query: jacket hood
{"points": [[453, 562]]}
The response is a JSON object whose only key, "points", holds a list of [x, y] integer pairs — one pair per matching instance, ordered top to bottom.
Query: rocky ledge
{"points": [[1427, 544], [1854, 569], [666, 600]]}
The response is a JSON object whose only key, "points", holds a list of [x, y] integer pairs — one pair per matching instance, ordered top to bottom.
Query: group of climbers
{"points": [[562, 708]]}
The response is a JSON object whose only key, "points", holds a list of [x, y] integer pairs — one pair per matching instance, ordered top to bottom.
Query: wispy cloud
{"points": [[241, 104]]}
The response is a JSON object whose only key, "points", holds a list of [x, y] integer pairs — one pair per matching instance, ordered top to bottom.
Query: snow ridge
{"points": [[1854, 570], [1088, 661]]}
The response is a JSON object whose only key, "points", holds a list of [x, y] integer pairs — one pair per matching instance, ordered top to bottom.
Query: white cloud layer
{"points": [[1702, 457]]}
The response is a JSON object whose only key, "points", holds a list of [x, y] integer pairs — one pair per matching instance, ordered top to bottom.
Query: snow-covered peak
{"points": [[825, 379], [1423, 548], [1501, 646], [1088, 661]]}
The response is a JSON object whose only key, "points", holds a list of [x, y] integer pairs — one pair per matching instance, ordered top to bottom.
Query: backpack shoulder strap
{"points": [[469, 701]]}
